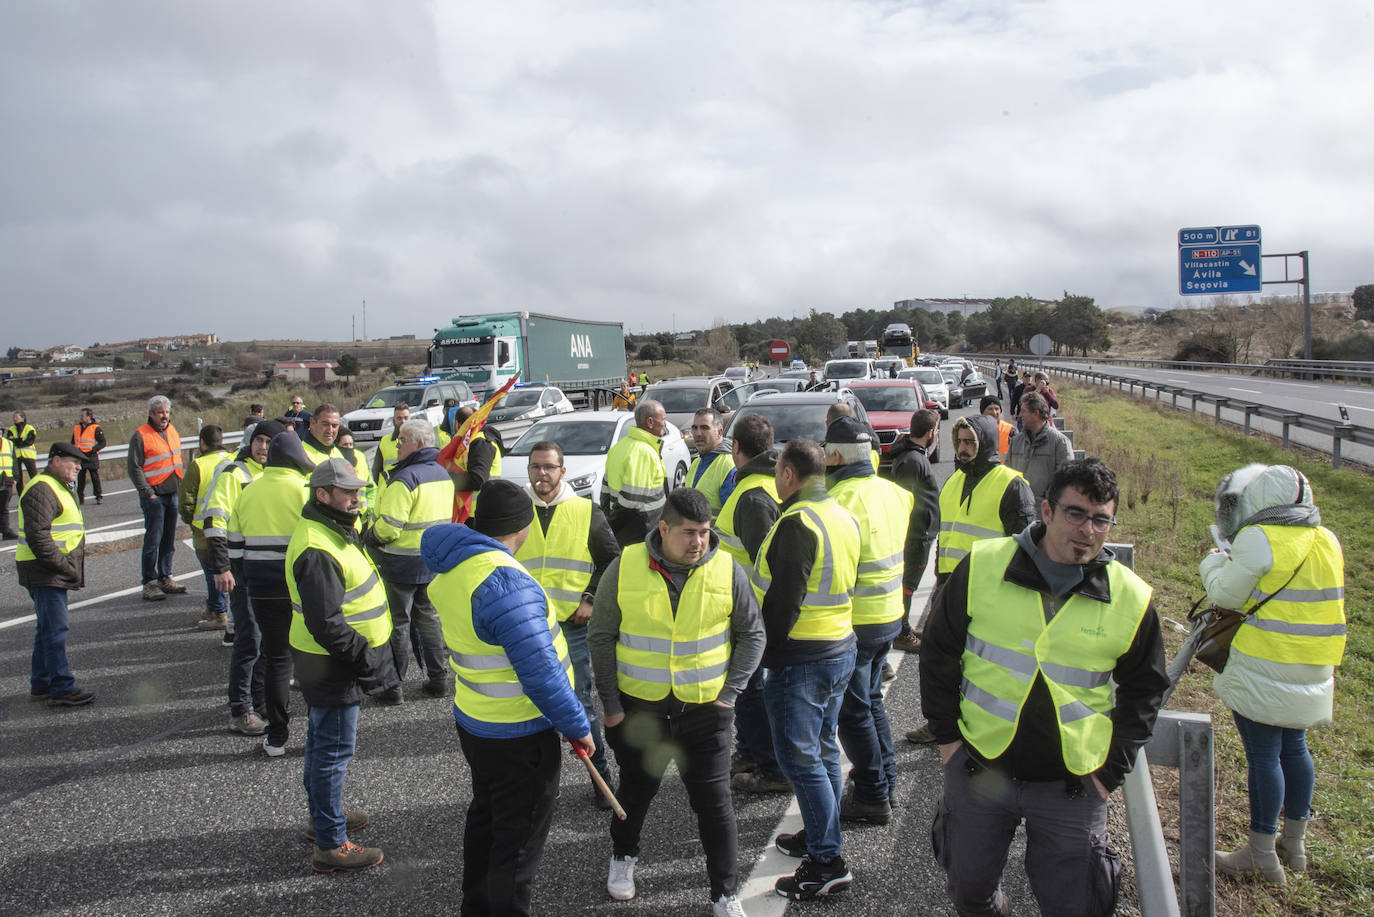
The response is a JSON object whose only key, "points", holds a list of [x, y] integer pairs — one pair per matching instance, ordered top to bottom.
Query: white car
{"points": [[843, 370], [933, 381], [425, 397], [530, 402], [586, 437]]}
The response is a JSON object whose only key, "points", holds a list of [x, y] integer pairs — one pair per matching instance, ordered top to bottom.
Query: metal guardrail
{"points": [[1355, 371]]}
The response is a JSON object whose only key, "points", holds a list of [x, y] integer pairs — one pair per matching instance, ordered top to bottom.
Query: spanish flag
{"points": [[454, 456]]}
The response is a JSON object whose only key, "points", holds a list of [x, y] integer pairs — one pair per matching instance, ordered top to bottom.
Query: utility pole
{"points": [[364, 319]]}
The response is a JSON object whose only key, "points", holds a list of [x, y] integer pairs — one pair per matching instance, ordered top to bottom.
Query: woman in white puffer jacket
{"points": [[1279, 679]]}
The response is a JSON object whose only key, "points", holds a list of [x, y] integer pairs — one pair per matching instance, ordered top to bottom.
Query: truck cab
{"points": [[482, 351]]}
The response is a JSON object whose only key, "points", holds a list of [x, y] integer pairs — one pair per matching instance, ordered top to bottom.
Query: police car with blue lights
{"points": [[424, 395]]}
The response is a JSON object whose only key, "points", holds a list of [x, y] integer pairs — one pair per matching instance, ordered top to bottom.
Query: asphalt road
{"points": [[144, 803]]}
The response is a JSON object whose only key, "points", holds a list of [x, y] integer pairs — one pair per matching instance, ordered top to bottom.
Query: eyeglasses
{"points": [[544, 469], [1077, 516]]}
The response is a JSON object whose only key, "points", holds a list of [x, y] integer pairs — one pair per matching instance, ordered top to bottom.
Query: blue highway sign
{"points": [[1214, 260]]}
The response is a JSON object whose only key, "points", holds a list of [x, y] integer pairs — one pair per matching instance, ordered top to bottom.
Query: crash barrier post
{"points": [[1181, 740]]}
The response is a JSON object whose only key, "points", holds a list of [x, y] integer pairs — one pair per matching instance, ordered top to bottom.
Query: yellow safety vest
{"points": [[390, 449], [24, 452], [315, 455], [6, 460], [208, 466], [634, 472], [229, 481], [709, 481], [368, 495], [884, 511], [267, 513], [402, 514], [725, 522], [963, 523], [68, 528], [560, 559], [364, 599], [827, 609], [1305, 620], [1009, 644], [689, 650], [485, 684]]}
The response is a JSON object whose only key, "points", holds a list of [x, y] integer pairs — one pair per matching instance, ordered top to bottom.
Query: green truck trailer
{"points": [[586, 359]]}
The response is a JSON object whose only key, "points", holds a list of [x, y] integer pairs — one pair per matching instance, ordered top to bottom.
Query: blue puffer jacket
{"points": [[509, 611]]}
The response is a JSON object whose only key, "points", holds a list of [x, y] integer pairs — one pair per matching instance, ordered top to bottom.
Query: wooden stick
{"points": [[600, 783]]}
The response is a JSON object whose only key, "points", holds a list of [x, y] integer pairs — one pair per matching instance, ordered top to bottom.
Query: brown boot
{"points": [[171, 586], [152, 592], [212, 620], [909, 642], [350, 857]]}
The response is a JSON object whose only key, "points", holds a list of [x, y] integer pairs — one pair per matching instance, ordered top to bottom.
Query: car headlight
{"points": [[386, 422], [582, 481]]}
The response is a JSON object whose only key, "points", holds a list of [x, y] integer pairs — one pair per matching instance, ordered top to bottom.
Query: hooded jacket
{"points": [[911, 469], [225, 491], [1017, 509], [600, 539], [267, 578], [509, 611], [746, 627], [866, 634], [1290, 694]]}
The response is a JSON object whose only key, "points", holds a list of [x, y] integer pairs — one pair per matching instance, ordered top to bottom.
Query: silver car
{"points": [[933, 381], [585, 438]]}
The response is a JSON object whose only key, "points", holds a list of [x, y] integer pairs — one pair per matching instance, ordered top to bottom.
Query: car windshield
{"points": [[851, 370], [736, 372], [925, 376], [950, 376], [390, 397], [521, 398], [889, 398], [678, 399], [790, 421], [582, 437]]}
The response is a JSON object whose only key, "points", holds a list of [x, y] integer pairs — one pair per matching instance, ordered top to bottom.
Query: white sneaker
{"points": [[273, 751], [620, 884], [727, 906]]}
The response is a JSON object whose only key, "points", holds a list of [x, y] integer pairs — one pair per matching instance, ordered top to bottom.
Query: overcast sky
{"points": [[262, 168]]}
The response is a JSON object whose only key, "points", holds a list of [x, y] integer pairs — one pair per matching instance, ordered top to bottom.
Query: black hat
{"points": [[847, 430], [66, 450], [503, 507]]}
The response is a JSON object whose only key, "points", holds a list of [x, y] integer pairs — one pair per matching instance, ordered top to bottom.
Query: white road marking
{"points": [[1251, 391], [134, 525], [97, 600]]}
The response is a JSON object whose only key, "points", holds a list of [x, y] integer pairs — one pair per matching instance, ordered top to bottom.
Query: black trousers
{"points": [[20, 464], [94, 472], [7, 528], [274, 620], [698, 740], [514, 788]]}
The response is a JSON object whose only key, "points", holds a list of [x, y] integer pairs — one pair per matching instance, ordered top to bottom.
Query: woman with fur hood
{"points": [[1286, 570]]}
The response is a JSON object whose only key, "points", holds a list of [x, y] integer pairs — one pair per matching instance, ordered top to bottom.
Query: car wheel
{"points": [[944, 413], [679, 475]]}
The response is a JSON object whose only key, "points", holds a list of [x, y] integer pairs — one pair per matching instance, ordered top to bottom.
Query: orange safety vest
{"points": [[84, 437], [161, 454]]}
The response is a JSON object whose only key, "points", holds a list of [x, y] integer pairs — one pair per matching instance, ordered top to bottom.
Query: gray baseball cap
{"points": [[336, 472]]}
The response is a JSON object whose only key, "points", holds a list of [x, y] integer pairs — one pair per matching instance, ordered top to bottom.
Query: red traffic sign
{"points": [[779, 351]]}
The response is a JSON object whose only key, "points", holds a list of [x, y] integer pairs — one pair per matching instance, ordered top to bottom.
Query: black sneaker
{"points": [[437, 687], [76, 697], [392, 697], [873, 813], [794, 845], [814, 879]]}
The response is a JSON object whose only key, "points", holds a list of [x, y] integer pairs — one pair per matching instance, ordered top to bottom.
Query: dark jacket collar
{"points": [[813, 490], [341, 523], [1095, 584]]}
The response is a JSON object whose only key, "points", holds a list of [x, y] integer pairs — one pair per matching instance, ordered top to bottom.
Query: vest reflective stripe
{"points": [[83, 436], [390, 449], [24, 452], [161, 454], [495, 456], [6, 460], [210, 466], [634, 472], [708, 481], [228, 483], [368, 495], [883, 511], [404, 514], [266, 515], [725, 522], [964, 522], [68, 529], [560, 559], [364, 600], [827, 610], [1305, 620], [1009, 644], [687, 651], [486, 687]]}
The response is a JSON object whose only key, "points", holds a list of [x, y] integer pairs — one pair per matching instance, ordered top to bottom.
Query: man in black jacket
{"points": [[911, 469], [51, 559], [1049, 606], [339, 634]]}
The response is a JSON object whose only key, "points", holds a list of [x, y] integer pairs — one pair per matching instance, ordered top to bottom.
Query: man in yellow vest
{"points": [[320, 432], [89, 437], [24, 440], [384, 457], [713, 461], [154, 467], [6, 489], [633, 489], [418, 496], [191, 499], [883, 510], [748, 513], [260, 527], [569, 547], [50, 560], [806, 571], [675, 636], [339, 641], [1025, 641], [513, 695]]}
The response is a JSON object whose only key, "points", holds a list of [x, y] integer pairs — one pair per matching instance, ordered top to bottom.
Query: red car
{"points": [[890, 404]]}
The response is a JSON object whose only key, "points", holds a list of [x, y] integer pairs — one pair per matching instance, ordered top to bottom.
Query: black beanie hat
{"points": [[503, 507]]}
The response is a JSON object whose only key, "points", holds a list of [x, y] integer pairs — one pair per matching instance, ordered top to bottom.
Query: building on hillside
{"points": [[65, 352], [307, 371]]}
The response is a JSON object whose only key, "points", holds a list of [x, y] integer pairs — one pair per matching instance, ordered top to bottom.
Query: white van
{"points": [[844, 370]]}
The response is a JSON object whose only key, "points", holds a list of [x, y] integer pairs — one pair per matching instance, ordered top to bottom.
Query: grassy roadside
{"points": [[1168, 465]]}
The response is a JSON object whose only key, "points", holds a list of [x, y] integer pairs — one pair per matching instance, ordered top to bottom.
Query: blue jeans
{"points": [[159, 534], [215, 600], [576, 637], [49, 670], [803, 703], [863, 728], [753, 736], [329, 743], [1280, 775]]}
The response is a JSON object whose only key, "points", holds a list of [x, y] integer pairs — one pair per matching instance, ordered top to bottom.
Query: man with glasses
{"points": [[298, 416], [1038, 450], [566, 552], [1018, 662]]}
